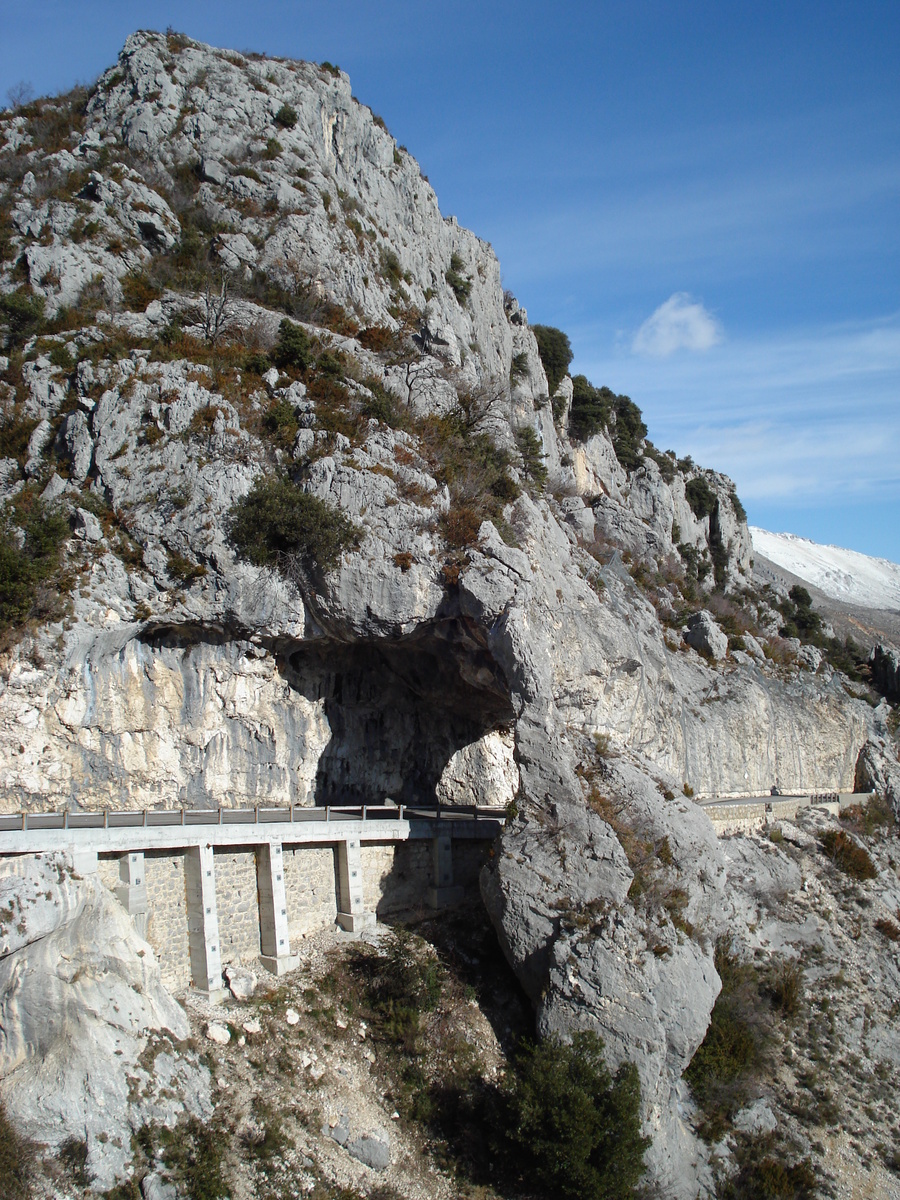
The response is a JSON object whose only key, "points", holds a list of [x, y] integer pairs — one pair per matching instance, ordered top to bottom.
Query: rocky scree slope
{"points": [[508, 609]]}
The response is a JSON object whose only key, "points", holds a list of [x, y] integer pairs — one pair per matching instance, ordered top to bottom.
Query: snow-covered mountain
{"points": [[842, 574]]}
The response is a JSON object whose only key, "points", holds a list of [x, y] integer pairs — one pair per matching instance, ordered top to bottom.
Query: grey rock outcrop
{"points": [[705, 635], [588, 952], [89, 1038]]}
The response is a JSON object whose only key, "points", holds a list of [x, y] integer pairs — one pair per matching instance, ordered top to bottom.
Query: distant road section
{"points": [[844, 575]]}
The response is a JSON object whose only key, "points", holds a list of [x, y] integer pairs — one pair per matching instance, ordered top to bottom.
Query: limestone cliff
{"points": [[488, 623]]}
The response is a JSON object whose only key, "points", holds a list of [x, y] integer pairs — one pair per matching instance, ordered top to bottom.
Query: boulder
{"points": [[212, 171], [705, 636], [241, 982], [373, 1149], [155, 1187]]}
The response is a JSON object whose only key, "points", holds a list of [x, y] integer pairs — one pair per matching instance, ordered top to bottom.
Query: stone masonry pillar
{"points": [[132, 891], [442, 893], [351, 914], [203, 921], [273, 923]]}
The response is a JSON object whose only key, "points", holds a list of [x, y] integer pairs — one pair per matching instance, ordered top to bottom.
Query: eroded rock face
{"points": [[582, 929], [89, 1038]]}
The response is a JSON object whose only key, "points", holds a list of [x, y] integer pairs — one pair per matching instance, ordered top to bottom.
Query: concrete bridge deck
{"points": [[110, 831], [196, 834]]}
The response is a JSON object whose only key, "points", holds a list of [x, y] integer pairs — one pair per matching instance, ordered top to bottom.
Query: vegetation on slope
{"points": [[278, 525], [31, 540]]}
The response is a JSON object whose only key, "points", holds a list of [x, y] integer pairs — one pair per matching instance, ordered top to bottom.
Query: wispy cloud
{"points": [[680, 323], [811, 417]]}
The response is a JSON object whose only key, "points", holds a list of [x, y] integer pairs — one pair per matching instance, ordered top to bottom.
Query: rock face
{"points": [[523, 655], [588, 950], [89, 1038]]}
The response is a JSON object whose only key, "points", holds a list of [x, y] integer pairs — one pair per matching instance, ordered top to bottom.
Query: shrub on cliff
{"points": [[286, 117], [461, 284], [22, 312], [293, 348], [555, 351], [591, 408], [595, 409], [628, 433], [700, 497], [278, 525], [31, 539], [848, 855], [733, 1055], [571, 1128], [17, 1160]]}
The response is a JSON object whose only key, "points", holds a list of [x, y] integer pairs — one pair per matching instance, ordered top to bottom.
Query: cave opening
{"points": [[403, 714]]}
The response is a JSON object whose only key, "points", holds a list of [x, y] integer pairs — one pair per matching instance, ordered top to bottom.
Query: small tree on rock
{"points": [[573, 1128]]}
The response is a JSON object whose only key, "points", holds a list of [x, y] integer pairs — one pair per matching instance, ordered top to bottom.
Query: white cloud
{"points": [[679, 324], [807, 418]]}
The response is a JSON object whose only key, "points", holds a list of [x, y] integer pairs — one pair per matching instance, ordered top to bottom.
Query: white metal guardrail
{"points": [[164, 818]]}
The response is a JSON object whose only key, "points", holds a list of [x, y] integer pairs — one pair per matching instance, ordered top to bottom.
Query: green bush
{"points": [[286, 117], [7, 235], [391, 268], [461, 284], [138, 290], [22, 312], [293, 348], [555, 351], [518, 367], [591, 408], [595, 409], [280, 422], [628, 433], [15, 435], [532, 452], [666, 464], [700, 497], [739, 511], [278, 525], [25, 569], [183, 569], [800, 596], [400, 984], [786, 986], [731, 1057], [571, 1128], [195, 1152], [73, 1154], [17, 1160], [764, 1173]]}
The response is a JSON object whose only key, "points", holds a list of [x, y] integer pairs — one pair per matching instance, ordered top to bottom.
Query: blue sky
{"points": [[705, 196]]}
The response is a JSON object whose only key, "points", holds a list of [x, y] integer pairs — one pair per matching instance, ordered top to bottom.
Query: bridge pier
{"points": [[132, 891], [442, 892], [351, 909], [203, 921], [274, 940]]}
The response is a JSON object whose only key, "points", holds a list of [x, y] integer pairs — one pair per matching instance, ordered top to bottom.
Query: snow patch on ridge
{"points": [[841, 574]]}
